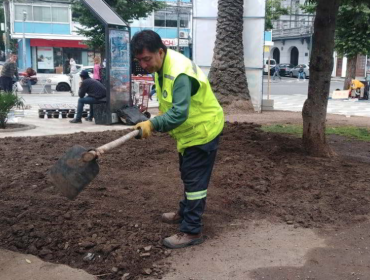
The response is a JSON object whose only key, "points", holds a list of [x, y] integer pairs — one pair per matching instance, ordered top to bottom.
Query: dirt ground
{"points": [[114, 227]]}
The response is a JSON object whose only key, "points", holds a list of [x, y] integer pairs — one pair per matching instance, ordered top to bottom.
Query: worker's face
{"points": [[14, 57], [151, 61]]}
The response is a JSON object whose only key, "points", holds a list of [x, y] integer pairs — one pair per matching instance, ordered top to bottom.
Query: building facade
{"points": [[173, 24], [49, 34], [292, 37]]}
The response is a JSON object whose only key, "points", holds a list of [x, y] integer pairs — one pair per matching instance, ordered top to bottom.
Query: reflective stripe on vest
{"points": [[196, 195]]}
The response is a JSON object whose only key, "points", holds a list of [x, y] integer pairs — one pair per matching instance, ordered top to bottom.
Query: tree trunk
{"points": [[321, 66], [350, 72], [227, 74]]}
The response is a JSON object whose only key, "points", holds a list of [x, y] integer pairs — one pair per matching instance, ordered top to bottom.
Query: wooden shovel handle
{"points": [[93, 154]]}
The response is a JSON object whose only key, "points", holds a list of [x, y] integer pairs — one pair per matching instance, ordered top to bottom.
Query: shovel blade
{"points": [[70, 175]]}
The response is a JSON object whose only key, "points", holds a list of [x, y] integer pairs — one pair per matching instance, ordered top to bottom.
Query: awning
{"points": [[57, 43]]}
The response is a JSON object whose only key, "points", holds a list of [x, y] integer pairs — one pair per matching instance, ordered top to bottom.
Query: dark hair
{"points": [[146, 39], [13, 53]]}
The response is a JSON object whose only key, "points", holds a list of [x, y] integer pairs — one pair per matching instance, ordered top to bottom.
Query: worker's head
{"points": [[148, 49], [84, 75]]}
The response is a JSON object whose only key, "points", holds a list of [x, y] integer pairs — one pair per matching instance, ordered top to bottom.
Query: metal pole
{"points": [[178, 25], [24, 41]]}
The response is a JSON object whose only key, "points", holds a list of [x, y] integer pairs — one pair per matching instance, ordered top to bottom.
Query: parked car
{"points": [[266, 65], [284, 69], [306, 71], [64, 82]]}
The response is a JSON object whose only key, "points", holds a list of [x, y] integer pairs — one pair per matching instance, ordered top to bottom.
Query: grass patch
{"points": [[358, 133]]}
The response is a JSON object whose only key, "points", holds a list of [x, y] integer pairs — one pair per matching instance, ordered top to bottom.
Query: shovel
{"points": [[78, 166]]}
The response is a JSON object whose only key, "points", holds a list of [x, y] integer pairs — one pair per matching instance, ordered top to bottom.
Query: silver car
{"points": [[306, 71]]}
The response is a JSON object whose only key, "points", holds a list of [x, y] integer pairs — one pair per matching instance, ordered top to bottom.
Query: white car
{"points": [[66, 82]]}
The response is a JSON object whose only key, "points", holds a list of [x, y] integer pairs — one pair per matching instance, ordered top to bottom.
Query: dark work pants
{"points": [[7, 83], [196, 166]]}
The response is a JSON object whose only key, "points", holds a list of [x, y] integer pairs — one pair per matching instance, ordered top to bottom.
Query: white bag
{"points": [[19, 86]]}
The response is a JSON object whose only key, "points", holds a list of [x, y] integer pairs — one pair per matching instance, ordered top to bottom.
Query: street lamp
{"points": [[24, 41]]}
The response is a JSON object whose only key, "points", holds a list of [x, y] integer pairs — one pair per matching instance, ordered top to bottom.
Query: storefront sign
{"points": [[173, 42], [45, 58]]}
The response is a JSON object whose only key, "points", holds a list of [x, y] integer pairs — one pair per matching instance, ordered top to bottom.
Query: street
{"points": [[289, 94]]}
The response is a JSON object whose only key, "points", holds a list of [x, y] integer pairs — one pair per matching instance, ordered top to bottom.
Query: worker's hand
{"points": [[146, 129]]}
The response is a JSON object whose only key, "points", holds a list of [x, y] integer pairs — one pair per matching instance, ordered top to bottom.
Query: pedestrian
{"points": [[72, 65], [97, 68], [8, 72], [276, 72], [301, 73], [30, 79], [357, 87], [95, 91], [191, 114]]}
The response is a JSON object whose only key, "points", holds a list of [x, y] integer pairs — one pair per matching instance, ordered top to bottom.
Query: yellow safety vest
{"points": [[206, 118]]}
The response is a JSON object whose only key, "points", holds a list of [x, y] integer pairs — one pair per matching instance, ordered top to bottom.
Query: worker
{"points": [[8, 72], [356, 86], [95, 91], [191, 114]]}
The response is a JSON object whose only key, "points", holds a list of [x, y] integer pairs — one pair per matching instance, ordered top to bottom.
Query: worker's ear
{"points": [[161, 53]]}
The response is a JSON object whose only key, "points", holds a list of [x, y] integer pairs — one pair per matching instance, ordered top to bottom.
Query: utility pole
{"points": [[178, 26], [7, 28], [24, 41]]}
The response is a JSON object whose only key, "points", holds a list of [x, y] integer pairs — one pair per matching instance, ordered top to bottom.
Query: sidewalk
{"points": [[46, 127]]}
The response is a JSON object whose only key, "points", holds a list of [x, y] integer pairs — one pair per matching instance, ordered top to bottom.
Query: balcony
{"points": [[297, 32]]}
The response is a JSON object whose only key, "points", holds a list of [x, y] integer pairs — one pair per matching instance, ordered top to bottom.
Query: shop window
{"points": [[18, 12], [41, 13], [60, 14]]}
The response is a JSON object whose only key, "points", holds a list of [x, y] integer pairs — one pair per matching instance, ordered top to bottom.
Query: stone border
{"points": [[25, 127]]}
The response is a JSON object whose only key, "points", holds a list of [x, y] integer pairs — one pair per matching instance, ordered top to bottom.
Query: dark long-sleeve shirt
{"points": [[9, 69], [184, 87], [92, 88]]}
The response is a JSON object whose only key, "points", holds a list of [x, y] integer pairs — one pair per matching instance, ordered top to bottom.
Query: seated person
{"points": [[30, 79], [355, 86], [95, 91]]}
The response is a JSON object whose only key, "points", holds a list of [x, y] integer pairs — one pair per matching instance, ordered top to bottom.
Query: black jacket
{"points": [[92, 88]]}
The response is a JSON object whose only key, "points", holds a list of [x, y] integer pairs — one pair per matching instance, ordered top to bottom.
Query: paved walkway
{"points": [[294, 102]]}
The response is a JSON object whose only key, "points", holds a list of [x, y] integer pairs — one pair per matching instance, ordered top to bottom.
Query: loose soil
{"points": [[116, 219]]}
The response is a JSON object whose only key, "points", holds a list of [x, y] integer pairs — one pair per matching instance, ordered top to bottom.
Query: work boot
{"points": [[75, 121], [171, 218], [181, 240]]}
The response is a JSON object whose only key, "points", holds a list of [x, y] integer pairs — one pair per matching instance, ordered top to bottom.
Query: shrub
{"points": [[8, 100]]}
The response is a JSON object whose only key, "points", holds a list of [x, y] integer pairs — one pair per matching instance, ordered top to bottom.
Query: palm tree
{"points": [[227, 74]]}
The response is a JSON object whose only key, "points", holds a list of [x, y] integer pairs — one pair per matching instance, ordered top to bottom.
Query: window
{"points": [[18, 12], [41, 13], [60, 14], [160, 19], [169, 19], [184, 20]]}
